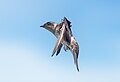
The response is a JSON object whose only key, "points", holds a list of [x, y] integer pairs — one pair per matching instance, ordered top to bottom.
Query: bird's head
{"points": [[49, 26]]}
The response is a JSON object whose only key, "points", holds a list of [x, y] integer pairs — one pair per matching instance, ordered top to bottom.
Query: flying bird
{"points": [[63, 33]]}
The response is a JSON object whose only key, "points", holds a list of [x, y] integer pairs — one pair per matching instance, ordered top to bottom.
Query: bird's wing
{"points": [[68, 26], [68, 33], [59, 39], [74, 44], [59, 48], [75, 52], [76, 59]]}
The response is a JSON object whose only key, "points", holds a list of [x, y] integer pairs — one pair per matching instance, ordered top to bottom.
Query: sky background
{"points": [[25, 48]]}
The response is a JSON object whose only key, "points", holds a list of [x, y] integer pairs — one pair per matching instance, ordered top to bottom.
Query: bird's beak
{"points": [[42, 26]]}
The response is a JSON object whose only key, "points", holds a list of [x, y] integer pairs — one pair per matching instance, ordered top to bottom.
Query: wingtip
{"points": [[52, 54], [76, 61], [77, 69]]}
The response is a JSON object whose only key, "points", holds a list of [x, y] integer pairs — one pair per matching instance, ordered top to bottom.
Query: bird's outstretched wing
{"points": [[68, 25], [60, 39], [74, 45], [59, 49], [75, 52]]}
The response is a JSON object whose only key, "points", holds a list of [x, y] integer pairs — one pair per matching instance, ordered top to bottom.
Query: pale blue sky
{"points": [[25, 48]]}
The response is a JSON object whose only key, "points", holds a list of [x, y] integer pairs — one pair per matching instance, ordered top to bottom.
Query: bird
{"points": [[63, 33]]}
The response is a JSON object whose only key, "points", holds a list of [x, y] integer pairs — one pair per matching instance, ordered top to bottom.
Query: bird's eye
{"points": [[48, 23]]}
